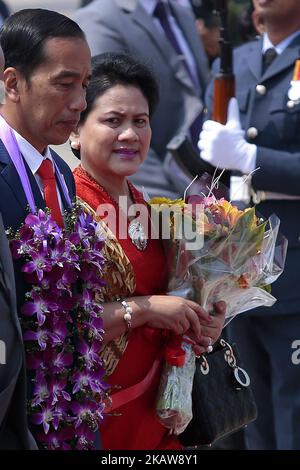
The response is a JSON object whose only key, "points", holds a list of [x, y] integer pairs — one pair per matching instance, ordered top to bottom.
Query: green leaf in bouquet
{"points": [[267, 288]]}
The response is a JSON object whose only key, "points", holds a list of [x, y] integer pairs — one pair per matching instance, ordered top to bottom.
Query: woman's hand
{"points": [[178, 315], [212, 332]]}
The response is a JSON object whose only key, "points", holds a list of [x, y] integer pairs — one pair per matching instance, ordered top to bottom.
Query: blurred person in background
{"points": [[4, 12], [208, 27], [162, 33], [262, 134], [14, 431]]}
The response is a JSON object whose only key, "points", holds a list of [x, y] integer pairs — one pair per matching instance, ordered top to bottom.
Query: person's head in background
{"points": [[4, 12], [244, 23], [251, 23], [207, 25], [47, 69], [114, 132]]}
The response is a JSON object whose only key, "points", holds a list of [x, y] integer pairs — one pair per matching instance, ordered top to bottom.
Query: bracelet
{"points": [[128, 311]]}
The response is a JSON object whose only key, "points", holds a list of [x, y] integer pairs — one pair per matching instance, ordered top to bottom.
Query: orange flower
{"points": [[243, 282]]}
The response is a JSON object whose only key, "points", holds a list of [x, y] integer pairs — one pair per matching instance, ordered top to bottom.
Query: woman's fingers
{"points": [[220, 307], [201, 313], [195, 325], [206, 342], [198, 350]]}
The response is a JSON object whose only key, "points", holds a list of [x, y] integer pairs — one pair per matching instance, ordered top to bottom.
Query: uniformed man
{"points": [[263, 133]]}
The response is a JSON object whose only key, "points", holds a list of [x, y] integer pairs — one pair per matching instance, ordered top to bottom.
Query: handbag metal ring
{"points": [[204, 367], [245, 380]]}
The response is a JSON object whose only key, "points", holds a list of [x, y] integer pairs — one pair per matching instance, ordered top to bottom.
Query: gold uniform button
{"points": [[261, 89], [252, 132]]}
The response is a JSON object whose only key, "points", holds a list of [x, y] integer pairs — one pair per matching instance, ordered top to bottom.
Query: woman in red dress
{"points": [[112, 140]]}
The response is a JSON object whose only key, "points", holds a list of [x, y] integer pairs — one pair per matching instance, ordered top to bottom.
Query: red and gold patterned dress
{"points": [[136, 426]]}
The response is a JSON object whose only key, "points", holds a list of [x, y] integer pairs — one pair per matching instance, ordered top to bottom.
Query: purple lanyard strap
{"points": [[9, 140]]}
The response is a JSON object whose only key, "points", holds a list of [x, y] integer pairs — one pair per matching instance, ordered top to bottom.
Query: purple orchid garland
{"points": [[62, 329], [68, 390]]}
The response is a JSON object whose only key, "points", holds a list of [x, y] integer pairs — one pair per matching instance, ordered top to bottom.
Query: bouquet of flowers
{"points": [[215, 252], [62, 326]]}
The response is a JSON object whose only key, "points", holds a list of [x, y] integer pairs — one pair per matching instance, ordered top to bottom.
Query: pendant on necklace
{"points": [[137, 235]]}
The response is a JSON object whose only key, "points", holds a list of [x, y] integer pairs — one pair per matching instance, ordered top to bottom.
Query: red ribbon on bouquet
{"points": [[173, 353]]}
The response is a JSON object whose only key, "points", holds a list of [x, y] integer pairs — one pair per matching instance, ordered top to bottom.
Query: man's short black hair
{"points": [[24, 34]]}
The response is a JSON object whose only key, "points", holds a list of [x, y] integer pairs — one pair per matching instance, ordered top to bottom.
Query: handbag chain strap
{"points": [[240, 375]]}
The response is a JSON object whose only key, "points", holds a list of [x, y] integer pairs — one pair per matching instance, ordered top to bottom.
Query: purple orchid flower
{"points": [[43, 225], [24, 244], [57, 253], [39, 264], [68, 277], [40, 305], [96, 310], [94, 328], [41, 336], [58, 337], [90, 353], [36, 361], [61, 361], [88, 381], [41, 391], [58, 392], [84, 413], [44, 417], [85, 438], [57, 440]]}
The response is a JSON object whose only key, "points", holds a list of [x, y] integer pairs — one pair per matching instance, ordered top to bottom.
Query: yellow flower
{"points": [[166, 201]]}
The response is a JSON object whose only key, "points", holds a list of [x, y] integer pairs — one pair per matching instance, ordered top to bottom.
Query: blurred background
{"points": [[63, 6], [241, 29]]}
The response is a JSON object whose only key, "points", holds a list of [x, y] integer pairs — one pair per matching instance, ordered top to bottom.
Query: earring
{"points": [[75, 145]]}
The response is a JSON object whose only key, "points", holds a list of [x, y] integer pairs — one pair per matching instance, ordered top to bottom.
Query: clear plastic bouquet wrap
{"points": [[215, 251], [174, 404]]}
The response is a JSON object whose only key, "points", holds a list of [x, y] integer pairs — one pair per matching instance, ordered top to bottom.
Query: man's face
{"points": [[280, 10], [51, 100]]}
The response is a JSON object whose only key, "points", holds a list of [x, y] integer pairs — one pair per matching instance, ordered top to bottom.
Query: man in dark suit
{"points": [[4, 12], [140, 28], [47, 68], [263, 134], [14, 432]]}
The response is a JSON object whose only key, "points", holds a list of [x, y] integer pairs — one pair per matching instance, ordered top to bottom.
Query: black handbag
{"points": [[222, 398]]}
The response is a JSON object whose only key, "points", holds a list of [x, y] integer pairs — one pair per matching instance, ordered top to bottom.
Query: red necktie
{"points": [[46, 173]]}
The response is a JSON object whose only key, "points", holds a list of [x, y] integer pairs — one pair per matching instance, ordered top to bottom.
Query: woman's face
{"points": [[115, 138]]}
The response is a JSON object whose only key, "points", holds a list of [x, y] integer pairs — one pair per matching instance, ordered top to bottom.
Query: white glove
{"points": [[224, 146]]}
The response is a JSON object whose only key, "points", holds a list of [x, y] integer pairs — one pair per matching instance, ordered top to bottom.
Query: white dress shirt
{"points": [[281, 46], [34, 160]]}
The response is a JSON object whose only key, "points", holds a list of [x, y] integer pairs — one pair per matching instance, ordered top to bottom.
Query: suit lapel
{"points": [[140, 17], [194, 44], [253, 59], [284, 60], [11, 177], [61, 191], [8, 275]]}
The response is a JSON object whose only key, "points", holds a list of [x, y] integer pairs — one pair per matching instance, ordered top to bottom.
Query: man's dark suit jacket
{"points": [[14, 432]]}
